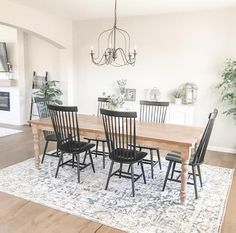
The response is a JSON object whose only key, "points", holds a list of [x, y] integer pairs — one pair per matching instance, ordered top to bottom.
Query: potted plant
{"points": [[228, 88], [50, 90], [178, 94]]}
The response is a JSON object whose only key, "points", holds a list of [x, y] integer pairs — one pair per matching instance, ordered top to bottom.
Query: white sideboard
{"points": [[180, 114]]}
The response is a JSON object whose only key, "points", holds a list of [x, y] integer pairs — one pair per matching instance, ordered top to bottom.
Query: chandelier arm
{"points": [[126, 33], [99, 37], [110, 37], [125, 39], [123, 56], [99, 62]]}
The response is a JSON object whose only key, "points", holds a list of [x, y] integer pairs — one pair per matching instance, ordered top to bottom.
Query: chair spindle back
{"points": [[102, 103], [153, 111], [65, 124], [120, 131], [202, 147]]}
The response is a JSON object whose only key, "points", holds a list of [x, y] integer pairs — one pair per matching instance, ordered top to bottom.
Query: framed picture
{"points": [[130, 94]]}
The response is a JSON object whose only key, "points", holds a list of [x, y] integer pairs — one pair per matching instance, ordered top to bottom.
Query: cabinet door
{"points": [[180, 114]]}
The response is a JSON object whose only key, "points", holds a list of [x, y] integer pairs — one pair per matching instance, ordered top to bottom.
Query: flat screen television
{"points": [[4, 62]]}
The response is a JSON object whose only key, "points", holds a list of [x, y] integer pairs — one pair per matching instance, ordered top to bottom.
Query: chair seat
{"points": [[100, 139], [76, 147], [121, 155], [175, 156]]}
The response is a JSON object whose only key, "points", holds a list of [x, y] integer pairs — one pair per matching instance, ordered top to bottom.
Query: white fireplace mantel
{"points": [[7, 82]]}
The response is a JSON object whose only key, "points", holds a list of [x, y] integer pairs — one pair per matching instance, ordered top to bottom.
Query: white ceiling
{"points": [[93, 9]]}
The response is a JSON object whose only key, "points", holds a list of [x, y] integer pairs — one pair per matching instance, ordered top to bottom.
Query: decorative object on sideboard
{"points": [[113, 54], [121, 84], [227, 88], [190, 93], [130, 94], [154, 94], [178, 94], [115, 101]]}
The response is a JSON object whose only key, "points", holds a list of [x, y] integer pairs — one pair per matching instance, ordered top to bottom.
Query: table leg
{"points": [[36, 135], [184, 175]]}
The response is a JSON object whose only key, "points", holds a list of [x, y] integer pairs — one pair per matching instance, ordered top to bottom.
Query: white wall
{"points": [[56, 30], [172, 49], [41, 56]]}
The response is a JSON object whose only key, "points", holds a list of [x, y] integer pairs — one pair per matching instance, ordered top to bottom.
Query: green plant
{"points": [[228, 88], [50, 90], [178, 93]]}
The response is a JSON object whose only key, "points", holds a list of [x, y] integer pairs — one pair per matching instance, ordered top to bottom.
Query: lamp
{"points": [[114, 55]]}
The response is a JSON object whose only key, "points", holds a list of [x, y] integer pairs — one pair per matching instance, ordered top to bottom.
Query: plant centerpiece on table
{"points": [[228, 88], [50, 90], [178, 94], [115, 101]]}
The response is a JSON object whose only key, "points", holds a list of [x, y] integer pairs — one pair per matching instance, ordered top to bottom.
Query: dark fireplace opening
{"points": [[5, 101]]}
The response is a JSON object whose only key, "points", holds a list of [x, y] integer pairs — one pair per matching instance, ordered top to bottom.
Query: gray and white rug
{"points": [[6, 132], [150, 211]]}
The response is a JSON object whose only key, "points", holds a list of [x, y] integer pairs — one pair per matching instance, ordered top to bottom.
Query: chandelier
{"points": [[112, 54]]}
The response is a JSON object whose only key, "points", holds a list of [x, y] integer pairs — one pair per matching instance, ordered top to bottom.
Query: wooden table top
{"points": [[145, 131]]}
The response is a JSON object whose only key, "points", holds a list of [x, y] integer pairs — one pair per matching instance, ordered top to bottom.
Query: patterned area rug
{"points": [[6, 132], [150, 211]]}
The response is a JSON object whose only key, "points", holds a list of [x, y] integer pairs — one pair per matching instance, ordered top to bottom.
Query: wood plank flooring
{"points": [[20, 216]]}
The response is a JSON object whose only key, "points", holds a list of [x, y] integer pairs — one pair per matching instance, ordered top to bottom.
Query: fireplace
{"points": [[5, 101]]}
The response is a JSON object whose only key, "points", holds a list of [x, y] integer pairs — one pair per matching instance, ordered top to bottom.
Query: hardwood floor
{"points": [[20, 216]]}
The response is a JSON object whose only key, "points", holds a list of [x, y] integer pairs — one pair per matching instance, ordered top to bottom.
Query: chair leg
{"points": [[96, 148], [45, 150], [103, 154], [151, 155], [85, 156], [159, 158], [91, 159], [73, 160], [59, 162], [78, 168], [129, 168], [120, 170], [173, 171], [199, 173], [167, 174], [109, 175], [144, 178], [132, 179], [195, 182]]}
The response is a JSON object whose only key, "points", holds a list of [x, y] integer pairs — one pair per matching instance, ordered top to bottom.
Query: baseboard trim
{"points": [[222, 149]]}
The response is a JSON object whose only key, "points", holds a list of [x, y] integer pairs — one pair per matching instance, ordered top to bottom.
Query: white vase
{"points": [[178, 101]]}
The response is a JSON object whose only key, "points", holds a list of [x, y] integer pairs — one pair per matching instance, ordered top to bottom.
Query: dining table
{"points": [[181, 138]]}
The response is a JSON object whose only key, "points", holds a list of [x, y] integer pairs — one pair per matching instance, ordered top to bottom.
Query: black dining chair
{"points": [[102, 103], [152, 111], [66, 127], [120, 131], [49, 136], [196, 159]]}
